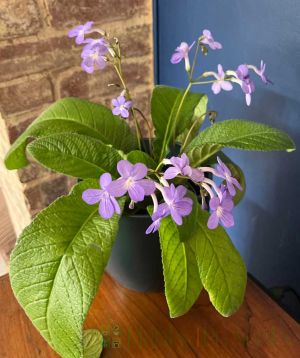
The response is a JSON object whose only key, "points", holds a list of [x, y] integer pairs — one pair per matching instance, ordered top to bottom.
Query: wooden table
{"points": [[137, 325]]}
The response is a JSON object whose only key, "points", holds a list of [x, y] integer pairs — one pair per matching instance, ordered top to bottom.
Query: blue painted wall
{"points": [[267, 231]]}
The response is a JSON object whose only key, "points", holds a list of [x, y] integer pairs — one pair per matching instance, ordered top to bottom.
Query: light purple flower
{"points": [[80, 31], [209, 40], [101, 43], [182, 52], [93, 59], [261, 72], [222, 83], [247, 85], [121, 106], [181, 165], [224, 172], [131, 181], [176, 204], [108, 205], [221, 211], [157, 217]]}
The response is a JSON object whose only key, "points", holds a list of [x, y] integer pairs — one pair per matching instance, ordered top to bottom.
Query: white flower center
{"points": [[129, 182], [219, 211]]}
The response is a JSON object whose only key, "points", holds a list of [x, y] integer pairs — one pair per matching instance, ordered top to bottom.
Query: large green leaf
{"points": [[173, 111], [73, 115], [239, 134], [75, 154], [136, 156], [57, 265], [221, 268], [182, 281], [92, 343]]}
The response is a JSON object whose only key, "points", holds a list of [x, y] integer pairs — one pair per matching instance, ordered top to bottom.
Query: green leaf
{"points": [[166, 102], [73, 115], [196, 122], [239, 134], [75, 154], [136, 156], [57, 265], [221, 268], [182, 282], [92, 343]]}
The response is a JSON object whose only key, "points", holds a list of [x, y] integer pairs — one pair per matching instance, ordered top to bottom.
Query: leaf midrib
{"points": [[53, 283]]}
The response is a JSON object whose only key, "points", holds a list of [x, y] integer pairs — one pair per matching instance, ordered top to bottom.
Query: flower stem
{"points": [[190, 131]]}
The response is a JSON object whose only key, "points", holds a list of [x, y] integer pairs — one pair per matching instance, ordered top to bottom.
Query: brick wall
{"points": [[39, 64]]}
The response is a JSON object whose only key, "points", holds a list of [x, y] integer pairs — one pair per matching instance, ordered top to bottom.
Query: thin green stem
{"points": [[195, 60], [205, 82], [175, 121], [148, 125], [190, 131]]}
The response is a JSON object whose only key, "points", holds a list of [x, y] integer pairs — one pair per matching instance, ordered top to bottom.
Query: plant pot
{"points": [[135, 261]]}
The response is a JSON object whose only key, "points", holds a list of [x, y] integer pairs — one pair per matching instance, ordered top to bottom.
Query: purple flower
{"points": [[80, 31], [209, 40], [101, 43], [182, 52], [93, 58], [261, 72], [221, 84], [247, 85], [121, 106], [181, 165], [224, 172], [131, 181], [175, 203], [108, 205], [221, 211], [160, 213]]}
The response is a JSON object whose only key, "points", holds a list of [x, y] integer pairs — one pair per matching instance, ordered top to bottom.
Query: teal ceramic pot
{"points": [[135, 261]]}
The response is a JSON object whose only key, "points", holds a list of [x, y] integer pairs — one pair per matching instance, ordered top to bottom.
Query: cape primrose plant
{"points": [[180, 176]]}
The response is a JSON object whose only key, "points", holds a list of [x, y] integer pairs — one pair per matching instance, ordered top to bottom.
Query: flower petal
{"points": [[176, 58], [226, 85], [216, 87], [116, 111], [124, 112], [124, 168], [138, 171], [171, 173], [105, 180], [148, 186], [117, 187], [136, 192], [92, 196], [214, 203], [116, 205], [106, 208], [176, 216], [227, 219], [213, 221]]}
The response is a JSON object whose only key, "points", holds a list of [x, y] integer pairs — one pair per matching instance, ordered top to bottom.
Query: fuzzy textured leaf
{"points": [[165, 104], [73, 115], [238, 134], [75, 154], [136, 156], [57, 265], [221, 268], [182, 281], [92, 343]]}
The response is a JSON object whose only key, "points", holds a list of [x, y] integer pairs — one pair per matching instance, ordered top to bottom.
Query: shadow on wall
{"points": [[267, 230]]}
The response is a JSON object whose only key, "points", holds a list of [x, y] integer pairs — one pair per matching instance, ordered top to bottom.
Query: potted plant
{"points": [[180, 179]]}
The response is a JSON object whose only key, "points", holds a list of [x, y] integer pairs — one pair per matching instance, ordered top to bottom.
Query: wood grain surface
{"points": [[137, 325]]}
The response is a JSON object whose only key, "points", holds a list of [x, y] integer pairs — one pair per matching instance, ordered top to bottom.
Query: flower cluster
{"points": [[96, 54], [222, 79], [135, 180]]}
